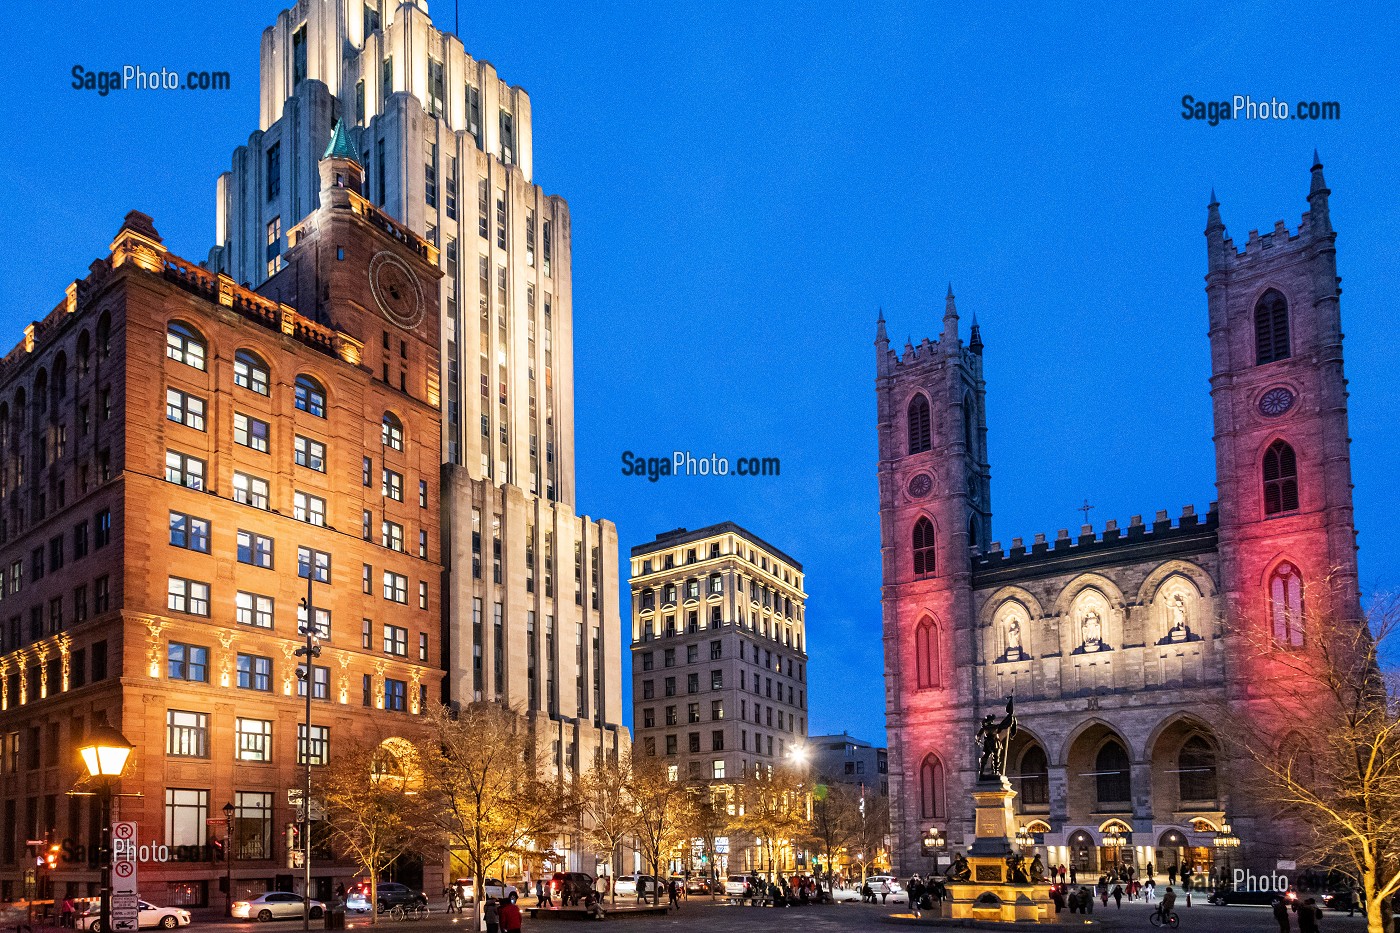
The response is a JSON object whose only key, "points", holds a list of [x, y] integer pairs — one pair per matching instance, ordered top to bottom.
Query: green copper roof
{"points": [[340, 146]]}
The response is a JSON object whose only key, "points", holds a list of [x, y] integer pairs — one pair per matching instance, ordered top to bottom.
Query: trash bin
{"points": [[335, 918]]}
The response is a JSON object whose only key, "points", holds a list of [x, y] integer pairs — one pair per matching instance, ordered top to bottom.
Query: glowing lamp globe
{"points": [[105, 752]]}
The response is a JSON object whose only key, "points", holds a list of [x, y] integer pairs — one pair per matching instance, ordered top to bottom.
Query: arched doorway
{"points": [[1116, 853], [1083, 854], [1177, 856]]}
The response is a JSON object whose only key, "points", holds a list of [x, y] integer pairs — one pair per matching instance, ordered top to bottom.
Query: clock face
{"points": [[396, 290], [1275, 402], [920, 486]]}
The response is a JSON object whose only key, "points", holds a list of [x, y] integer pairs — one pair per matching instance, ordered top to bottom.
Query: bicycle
{"points": [[1162, 918]]}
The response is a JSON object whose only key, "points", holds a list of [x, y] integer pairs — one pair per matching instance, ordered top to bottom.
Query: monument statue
{"points": [[1177, 607], [1093, 630], [993, 738], [959, 870], [1016, 870], [1037, 870]]}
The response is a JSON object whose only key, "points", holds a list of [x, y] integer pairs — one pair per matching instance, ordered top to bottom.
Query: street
{"points": [[703, 916]]}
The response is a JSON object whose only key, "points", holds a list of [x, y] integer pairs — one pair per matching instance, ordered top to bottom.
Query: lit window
{"points": [[183, 344], [250, 372], [310, 396], [391, 433], [310, 454]]}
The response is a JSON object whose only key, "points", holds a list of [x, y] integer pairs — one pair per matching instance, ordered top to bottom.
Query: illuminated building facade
{"points": [[446, 147], [180, 455], [1129, 650]]}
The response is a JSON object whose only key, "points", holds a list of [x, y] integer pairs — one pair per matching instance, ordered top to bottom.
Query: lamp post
{"points": [[310, 651], [104, 756], [1024, 839], [1225, 840], [228, 859]]}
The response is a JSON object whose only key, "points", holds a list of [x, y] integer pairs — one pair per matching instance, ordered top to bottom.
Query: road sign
{"points": [[125, 909]]}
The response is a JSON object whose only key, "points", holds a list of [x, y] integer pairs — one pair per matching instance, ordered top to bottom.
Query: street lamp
{"points": [[307, 673], [104, 755], [1024, 838], [1115, 839], [1225, 840], [228, 857]]}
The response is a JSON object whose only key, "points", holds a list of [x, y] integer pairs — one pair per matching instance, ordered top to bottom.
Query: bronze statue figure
{"points": [[993, 738], [959, 870], [1016, 870], [1037, 870]]}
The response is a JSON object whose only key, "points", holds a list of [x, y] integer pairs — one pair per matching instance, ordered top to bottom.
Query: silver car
{"points": [[275, 905]]}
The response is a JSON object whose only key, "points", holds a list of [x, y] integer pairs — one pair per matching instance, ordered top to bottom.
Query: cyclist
{"points": [[1164, 909]]}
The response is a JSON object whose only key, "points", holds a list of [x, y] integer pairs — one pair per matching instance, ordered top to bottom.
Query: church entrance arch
{"points": [[1084, 855]]}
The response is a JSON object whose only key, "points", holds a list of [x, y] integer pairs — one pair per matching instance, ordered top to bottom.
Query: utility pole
{"points": [[310, 651]]}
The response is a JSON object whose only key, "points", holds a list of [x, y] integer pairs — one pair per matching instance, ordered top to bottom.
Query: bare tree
{"points": [[1343, 785], [369, 795], [486, 800], [607, 806], [773, 808], [662, 813], [709, 820], [835, 825], [871, 829]]}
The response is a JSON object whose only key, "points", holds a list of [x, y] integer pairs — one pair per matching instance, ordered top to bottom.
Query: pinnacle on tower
{"points": [[340, 146], [1317, 198], [1215, 234], [950, 318], [881, 336], [975, 344]]}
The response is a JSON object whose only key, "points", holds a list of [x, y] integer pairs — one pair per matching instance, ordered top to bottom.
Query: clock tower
{"points": [[354, 268]]}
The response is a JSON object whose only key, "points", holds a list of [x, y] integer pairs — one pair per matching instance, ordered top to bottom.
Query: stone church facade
{"points": [[1133, 652]]}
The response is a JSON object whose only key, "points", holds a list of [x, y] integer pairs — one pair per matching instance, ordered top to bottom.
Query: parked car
{"points": [[697, 884], [626, 885], [736, 886], [495, 887], [570, 887], [895, 893], [391, 894], [1225, 897], [357, 901], [275, 905], [148, 915]]}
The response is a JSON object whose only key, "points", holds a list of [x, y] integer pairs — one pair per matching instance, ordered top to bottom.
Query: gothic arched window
{"points": [[1271, 328], [920, 434], [1280, 479], [923, 548], [1286, 604], [926, 654], [1195, 765], [1112, 774], [1035, 777], [931, 788]]}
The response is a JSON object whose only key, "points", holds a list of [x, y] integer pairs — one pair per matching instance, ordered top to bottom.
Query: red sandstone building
{"points": [[179, 454]]}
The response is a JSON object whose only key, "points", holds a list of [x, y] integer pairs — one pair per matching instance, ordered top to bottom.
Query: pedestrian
{"points": [[1149, 870], [1171, 875], [1073, 876], [525, 880], [673, 891], [450, 892], [1103, 892], [916, 893], [1117, 893], [545, 896], [1086, 900], [1280, 908], [509, 915], [66, 916], [493, 916], [1308, 916]]}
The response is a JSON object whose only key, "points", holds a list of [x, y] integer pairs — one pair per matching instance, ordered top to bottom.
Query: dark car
{"points": [[571, 887], [391, 894], [1247, 898]]}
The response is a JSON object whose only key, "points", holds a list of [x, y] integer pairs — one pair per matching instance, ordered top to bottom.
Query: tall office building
{"points": [[446, 149]]}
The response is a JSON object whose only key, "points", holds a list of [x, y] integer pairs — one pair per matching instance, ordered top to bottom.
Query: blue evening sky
{"points": [[749, 182]]}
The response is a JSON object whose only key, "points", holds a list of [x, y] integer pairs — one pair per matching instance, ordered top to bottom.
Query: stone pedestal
{"points": [[990, 893]]}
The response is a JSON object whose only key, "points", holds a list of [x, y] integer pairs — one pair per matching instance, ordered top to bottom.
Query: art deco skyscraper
{"points": [[532, 617]]}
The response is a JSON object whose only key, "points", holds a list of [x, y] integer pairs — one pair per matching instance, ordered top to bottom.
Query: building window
{"points": [[298, 56], [360, 92], [435, 95], [507, 138], [274, 170], [501, 222], [273, 252], [1271, 328], [184, 344], [250, 372], [310, 396], [183, 408], [391, 431], [920, 434], [310, 454], [184, 470], [1280, 479], [391, 485], [250, 490], [308, 508], [186, 531], [255, 549], [924, 561], [313, 563], [395, 587], [187, 596], [1286, 604], [253, 609], [321, 625], [396, 640], [926, 651], [187, 662], [254, 673], [716, 680], [320, 682], [395, 695], [186, 734], [252, 739], [319, 748], [1196, 770], [1112, 775], [1035, 777], [931, 788], [186, 816], [252, 825]]}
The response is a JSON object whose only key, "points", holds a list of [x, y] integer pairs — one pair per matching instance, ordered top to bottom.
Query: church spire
{"points": [[1317, 198], [1215, 235], [950, 317], [881, 336], [975, 344]]}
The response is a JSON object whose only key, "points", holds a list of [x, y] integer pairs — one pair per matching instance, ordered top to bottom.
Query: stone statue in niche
{"points": [[1178, 615], [1091, 634], [1015, 649]]}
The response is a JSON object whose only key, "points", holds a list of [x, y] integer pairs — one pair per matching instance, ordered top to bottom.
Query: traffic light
{"points": [[216, 845], [51, 859]]}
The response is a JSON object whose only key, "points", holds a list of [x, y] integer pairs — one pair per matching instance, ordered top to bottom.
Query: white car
{"points": [[626, 886], [736, 886], [890, 886], [495, 887], [358, 902], [275, 905], [150, 915]]}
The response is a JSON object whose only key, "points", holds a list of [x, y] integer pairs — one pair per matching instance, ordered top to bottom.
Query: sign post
{"points": [[125, 896]]}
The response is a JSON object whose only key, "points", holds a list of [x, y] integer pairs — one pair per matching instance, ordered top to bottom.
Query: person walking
{"points": [[1073, 875], [1171, 875], [450, 892], [673, 892], [545, 894], [916, 894], [1117, 894], [1280, 909], [493, 916], [1308, 916], [65, 917], [510, 917]]}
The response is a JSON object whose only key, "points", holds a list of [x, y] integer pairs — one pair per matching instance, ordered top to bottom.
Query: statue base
{"points": [[990, 893]]}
